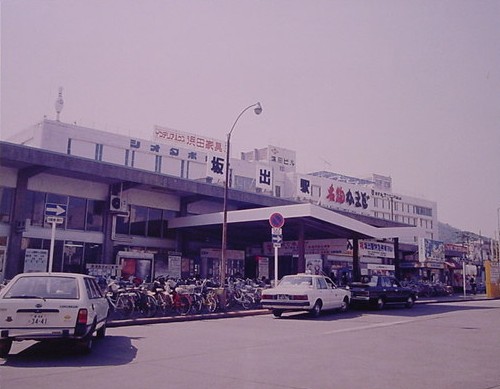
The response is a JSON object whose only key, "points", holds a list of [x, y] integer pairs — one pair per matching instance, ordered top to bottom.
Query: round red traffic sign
{"points": [[276, 220]]}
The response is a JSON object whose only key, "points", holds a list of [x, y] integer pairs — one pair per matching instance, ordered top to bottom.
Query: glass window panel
{"points": [[6, 198], [38, 201], [76, 213], [95, 215], [138, 219], [155, 223], [122, 225], [92, 253], [73, 257]]}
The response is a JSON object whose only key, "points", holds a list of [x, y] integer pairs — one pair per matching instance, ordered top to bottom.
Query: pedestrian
{"points": [[473, 285]]}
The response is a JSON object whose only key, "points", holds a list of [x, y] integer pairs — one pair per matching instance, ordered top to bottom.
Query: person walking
{"points": [[473, 285]]}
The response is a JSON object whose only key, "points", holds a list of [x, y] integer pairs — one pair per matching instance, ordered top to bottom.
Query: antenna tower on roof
{"points": [[59, 103]]}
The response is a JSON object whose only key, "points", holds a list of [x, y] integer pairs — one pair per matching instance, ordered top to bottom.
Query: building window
{"points": [[6, 199], [423, 211], [76, 212], [95, 215], [143, 221], [155, 223]]}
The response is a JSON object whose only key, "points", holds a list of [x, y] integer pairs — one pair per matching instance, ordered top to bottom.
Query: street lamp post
{"points": [[258, 110]]}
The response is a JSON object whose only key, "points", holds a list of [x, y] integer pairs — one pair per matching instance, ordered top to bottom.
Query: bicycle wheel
{"points": [[247, 302], [164, 303], [196, 303], [210, 303], [182, 305], [124, 306], [150, 306]]}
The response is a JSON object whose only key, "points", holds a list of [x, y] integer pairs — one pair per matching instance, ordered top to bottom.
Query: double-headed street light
{"points": [[258, 110]]}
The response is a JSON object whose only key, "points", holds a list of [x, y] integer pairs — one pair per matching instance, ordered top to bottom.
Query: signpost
{"points": [[54, 214], [276, 220]]}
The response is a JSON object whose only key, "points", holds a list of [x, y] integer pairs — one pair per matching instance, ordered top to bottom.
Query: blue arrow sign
{"points": [[55, 209]]}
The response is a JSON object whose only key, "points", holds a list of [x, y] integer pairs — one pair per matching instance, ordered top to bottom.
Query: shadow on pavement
{"points": [[418, 310], [110, 351]]}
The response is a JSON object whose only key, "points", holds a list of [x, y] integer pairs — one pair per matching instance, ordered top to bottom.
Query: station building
{"points": [[153, 206]]}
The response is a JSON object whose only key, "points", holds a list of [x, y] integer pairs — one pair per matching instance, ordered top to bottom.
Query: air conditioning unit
{"points": [[117, 204]]}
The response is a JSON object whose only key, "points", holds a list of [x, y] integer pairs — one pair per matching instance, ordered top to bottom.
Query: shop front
{"points": [[210, 263]]}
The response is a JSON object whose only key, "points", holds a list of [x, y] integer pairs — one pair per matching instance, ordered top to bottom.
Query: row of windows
{"points": [[403, 207], [88, 215], [144, 221], [412, 221], [71, 256]]}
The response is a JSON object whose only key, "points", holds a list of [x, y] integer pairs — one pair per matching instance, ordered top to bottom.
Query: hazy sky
{"points": [[409, 89]]}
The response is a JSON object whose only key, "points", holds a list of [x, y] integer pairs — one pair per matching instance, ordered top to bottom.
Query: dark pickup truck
{"points": [[381, 290]]}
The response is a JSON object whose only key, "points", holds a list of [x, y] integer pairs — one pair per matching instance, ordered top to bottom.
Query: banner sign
{"points": [[186, 139], [318, 246], [369, 248], [431, 250]]}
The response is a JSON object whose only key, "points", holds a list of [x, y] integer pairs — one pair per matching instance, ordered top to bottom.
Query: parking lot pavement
{"points": [[252, 312]]}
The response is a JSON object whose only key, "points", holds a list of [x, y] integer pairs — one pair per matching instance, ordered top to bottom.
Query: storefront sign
{"points": [[188, 140], [319, 246], [369, 248], [35, 260], [175, 265], [263, 268], [103, 270]]}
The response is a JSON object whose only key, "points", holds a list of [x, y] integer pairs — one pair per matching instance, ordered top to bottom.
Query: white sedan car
{"points": [[305, 292], [46, 306]]}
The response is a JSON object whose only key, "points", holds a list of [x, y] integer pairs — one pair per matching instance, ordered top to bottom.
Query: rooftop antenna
{"points": [[59, 103]]}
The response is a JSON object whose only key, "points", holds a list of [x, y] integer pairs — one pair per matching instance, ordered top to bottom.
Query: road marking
{"points": [[372, 326]]}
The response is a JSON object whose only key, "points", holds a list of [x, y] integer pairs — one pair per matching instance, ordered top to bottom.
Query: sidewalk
{"points": [[453, 298], [260, 311]]}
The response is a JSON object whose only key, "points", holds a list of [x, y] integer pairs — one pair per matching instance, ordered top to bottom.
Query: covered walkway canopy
{"points": [[306, 221]]}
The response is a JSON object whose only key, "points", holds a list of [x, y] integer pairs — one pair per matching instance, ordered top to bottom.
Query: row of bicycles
{"points": [[429, 289], [166, 296]]}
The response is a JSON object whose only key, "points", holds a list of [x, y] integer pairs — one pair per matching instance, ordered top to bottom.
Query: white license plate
{"points": [[283, 297], [37, 319]]}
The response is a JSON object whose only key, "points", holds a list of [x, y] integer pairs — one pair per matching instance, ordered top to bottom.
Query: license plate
{"points": [[283, 297], [37, 319]]}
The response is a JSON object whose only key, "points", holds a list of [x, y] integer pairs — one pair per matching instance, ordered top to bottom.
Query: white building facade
{"points": [[271, 170]]}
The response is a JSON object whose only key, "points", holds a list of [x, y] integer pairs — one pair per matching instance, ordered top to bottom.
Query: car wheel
{"points": [[410, 301], [380, 303], [345, 305], [316, 310], [277, 312], [101, 332], [86, 344], [5, 346]]}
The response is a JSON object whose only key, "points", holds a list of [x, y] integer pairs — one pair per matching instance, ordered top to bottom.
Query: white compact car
{"points": [[305, 292], [46, 306]]}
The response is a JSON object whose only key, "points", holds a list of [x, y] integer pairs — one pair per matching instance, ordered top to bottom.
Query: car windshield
{"points": [[370, 280], [296, 281], [53, 287]]}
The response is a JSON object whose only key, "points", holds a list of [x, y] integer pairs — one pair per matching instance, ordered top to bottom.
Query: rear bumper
{"points": [[360, 298], [286, 305], [43, 333]]}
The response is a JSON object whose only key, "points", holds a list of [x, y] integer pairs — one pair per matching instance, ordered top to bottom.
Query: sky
{"points": [[406, 89]]}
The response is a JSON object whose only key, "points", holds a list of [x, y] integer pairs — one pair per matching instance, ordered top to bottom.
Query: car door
{"points": [[394, 292], [334, 293], [96, 298]]}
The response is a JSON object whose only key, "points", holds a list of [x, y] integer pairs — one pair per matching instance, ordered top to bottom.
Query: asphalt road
{"points": [[448, 345]]}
